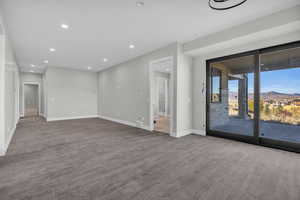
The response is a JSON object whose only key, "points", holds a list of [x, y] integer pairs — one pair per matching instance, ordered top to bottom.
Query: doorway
{"points": [[161, 84], [255, 97], [31, 99]]}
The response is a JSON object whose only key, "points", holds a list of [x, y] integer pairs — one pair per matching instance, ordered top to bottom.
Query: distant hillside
{"points": [[268, 95], [278, 95]]}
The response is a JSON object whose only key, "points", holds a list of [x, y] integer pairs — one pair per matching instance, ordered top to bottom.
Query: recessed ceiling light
{"points": [[140, 3], [64, 26], [131, 46], [52, 49], [105, 59], [46, 61], [32, 65], [89, 68], [31, 71]]}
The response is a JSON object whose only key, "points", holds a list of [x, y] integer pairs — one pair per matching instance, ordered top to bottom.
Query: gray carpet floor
{"points": [[92, 159]]}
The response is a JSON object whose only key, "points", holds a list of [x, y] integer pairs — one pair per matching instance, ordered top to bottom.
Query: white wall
{"points": [[33, 78], [124, 88], [9, 92], [184, 93], [2, 94], [71, 94]]}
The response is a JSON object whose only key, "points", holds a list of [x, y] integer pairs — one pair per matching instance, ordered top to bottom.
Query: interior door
{"points": [[162, 90], [31, 100]]}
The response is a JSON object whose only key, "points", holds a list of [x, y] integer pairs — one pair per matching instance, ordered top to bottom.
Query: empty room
{"points": [[149, 100]]}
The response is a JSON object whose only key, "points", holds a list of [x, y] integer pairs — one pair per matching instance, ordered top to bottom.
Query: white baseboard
{"points": [[43, 115], [70, 118], [117, 121], [124, 122], [145, 128], [189, 132], [198, 132], [180, 134], [2, 151]]}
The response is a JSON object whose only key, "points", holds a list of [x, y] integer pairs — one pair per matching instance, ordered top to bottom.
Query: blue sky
{"points": [[283, 81]]}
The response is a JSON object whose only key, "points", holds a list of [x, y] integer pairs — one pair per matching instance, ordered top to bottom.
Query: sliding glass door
{"points": [[280, 95], [231, 96], [255, 96]]}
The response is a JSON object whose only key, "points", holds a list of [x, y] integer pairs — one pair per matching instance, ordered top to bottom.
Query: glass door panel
{"points": [[280, 95], [231, 106]]}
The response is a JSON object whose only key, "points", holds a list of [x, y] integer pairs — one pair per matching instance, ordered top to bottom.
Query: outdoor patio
{"points": [[272, 130]]}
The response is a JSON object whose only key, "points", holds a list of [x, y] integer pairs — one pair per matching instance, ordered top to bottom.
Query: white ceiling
{"points": [[105, 28]]}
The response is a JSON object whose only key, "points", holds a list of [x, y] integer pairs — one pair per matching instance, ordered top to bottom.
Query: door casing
{"points": [[151, 92]]}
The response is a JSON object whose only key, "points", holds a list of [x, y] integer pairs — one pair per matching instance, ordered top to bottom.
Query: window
{"points": [[215, 85]]}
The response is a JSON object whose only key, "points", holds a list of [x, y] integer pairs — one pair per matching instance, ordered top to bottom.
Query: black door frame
{"points": [[255, 139]]}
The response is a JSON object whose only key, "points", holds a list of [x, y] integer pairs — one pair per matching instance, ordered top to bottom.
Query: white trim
{"points": [[167, 90], [151, 91], [2, 93], [17, 95], [39, 95], [70, 118], [117, 121], [125, 122], [145, 128], [189, 132], [198, 132], [182, 133], [2, 151]]}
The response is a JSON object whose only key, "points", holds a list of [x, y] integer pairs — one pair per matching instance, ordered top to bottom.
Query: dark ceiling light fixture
{"points": [[224, 4]]}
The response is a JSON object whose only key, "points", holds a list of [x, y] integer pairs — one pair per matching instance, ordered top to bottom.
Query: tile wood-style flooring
{"points": [[93, 159]]}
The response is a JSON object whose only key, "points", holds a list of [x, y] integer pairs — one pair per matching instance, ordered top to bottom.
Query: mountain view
{"points": [[274, 106]]}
